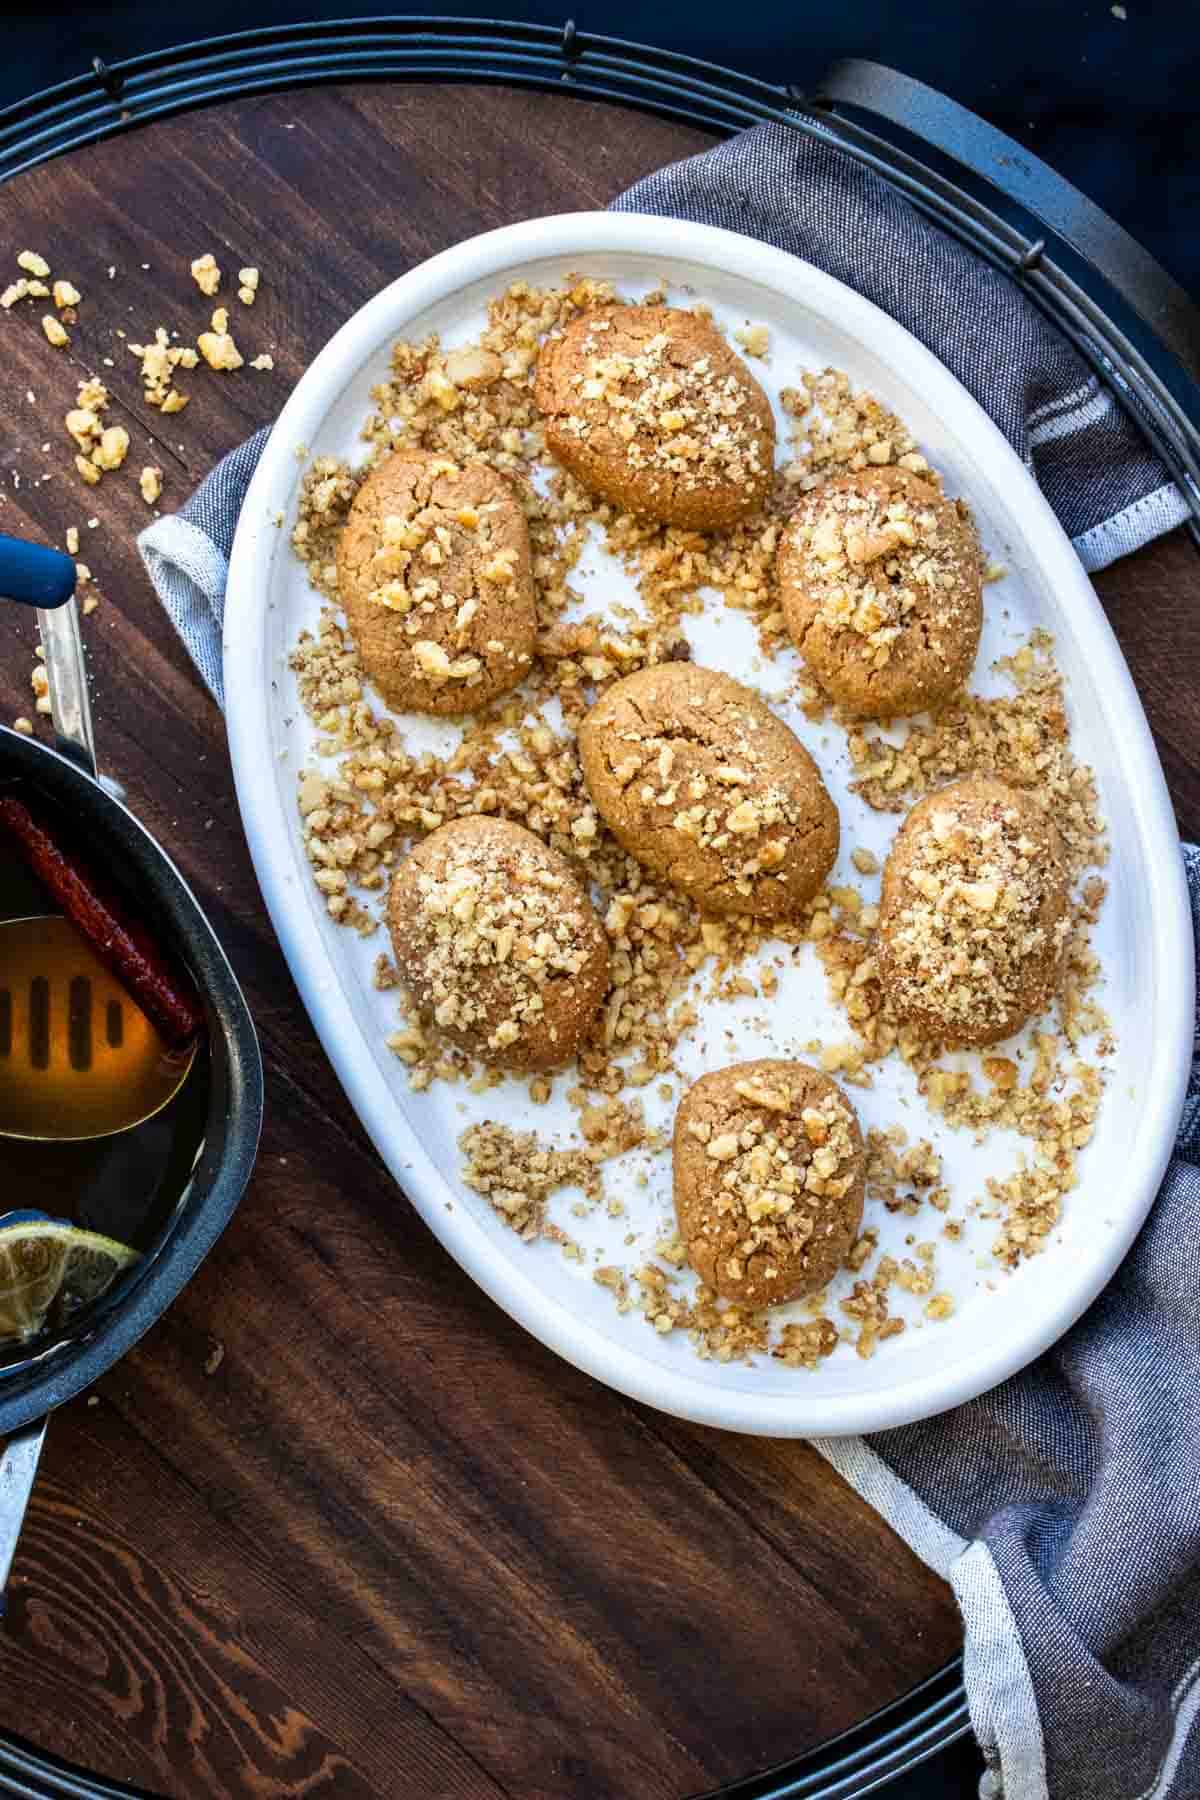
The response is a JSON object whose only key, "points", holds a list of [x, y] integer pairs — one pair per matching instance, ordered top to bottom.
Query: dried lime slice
{"points": [[50, 1270]]}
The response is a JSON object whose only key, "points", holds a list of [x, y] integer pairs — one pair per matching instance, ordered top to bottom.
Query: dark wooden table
{"points": [[337, 1526]]}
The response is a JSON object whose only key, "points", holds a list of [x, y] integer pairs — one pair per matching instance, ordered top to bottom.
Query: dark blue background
{"points": [[1111, 104]]}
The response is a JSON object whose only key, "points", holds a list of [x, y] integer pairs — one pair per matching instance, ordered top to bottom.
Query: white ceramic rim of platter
{"points": [[503, 255]]}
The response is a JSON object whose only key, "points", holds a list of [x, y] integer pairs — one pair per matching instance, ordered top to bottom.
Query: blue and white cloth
{"points": [[1064, 1506]]}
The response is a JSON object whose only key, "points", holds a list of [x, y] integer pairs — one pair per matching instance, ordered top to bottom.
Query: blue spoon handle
{"points": [[34, 574]]}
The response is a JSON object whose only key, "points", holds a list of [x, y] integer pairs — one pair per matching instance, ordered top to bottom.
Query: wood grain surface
{"points": [[390, 1545]]}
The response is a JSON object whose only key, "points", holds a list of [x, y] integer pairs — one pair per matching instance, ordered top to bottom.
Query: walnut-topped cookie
{"points": [[649, 407], [434, 574], [881, 584], [697, 778], [974, 913], [497, 943], [769, 1180]]}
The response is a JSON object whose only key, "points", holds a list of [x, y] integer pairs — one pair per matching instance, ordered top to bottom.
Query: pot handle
{"points": [[35, 575], [69, 704], [18, 1472]]}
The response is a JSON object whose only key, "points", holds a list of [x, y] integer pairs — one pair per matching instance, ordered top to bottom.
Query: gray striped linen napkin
{"points": [[1064, 1506]]}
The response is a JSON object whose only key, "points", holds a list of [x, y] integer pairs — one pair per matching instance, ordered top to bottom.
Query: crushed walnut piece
{"points": [[206, 274], [247, 286], [56, 333], [754, 339], [217, 346], [160, 360], [84, 422], [100, 447], [112, 448], [150, 483], [39, 681], [1023, 738], [894, 1166], [517, 1173], [867, 1305]]}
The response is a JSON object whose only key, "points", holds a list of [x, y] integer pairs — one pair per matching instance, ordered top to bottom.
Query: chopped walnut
{"points": [[206, 274], [754, 339], [218, 348], [160, 360], [112, 448], [150, 482], [518, 1173]]}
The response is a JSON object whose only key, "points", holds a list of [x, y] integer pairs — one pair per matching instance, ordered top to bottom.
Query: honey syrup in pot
{"points": [[65, 1024]]}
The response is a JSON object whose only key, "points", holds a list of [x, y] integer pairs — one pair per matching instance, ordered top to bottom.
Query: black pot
{"points": [[116, 842]]}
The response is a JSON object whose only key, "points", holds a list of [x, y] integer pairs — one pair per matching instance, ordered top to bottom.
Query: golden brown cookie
{"points": [[649, 407], [434, 574], [881, 583], [697, 778], [974, 913], [497, 943], [769, 1176]]}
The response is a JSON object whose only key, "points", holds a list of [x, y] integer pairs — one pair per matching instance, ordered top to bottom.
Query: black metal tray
{"points": [[1128, 318]]}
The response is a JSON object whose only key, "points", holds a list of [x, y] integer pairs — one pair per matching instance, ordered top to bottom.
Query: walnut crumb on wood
{"points": [[206, 274], [218, 348], [160, 360], [112, 448]]}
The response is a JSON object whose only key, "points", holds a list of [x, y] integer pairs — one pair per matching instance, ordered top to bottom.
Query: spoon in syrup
{"points": [[78, 1059]]}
